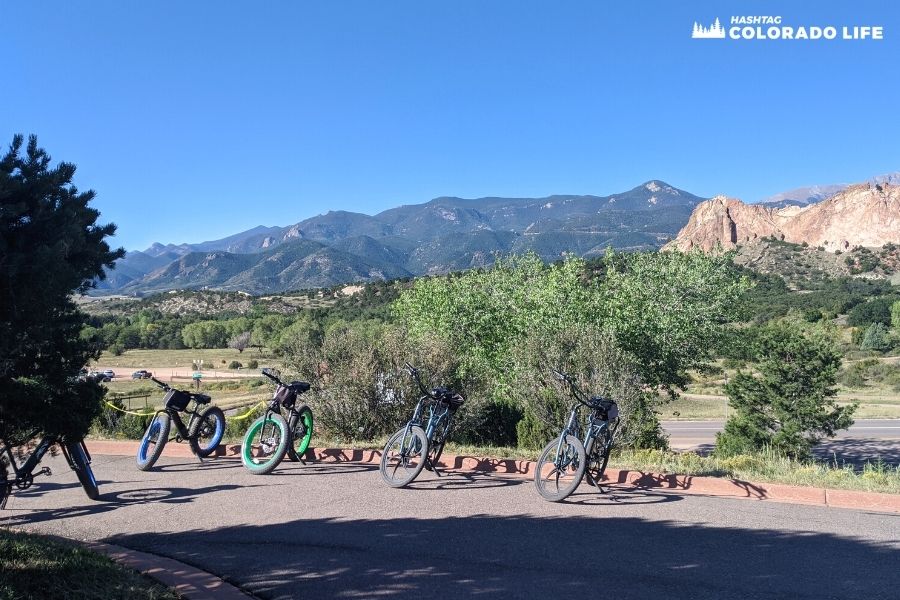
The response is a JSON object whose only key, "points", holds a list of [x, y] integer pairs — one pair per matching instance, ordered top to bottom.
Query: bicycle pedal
{"points": [[46, 471]]}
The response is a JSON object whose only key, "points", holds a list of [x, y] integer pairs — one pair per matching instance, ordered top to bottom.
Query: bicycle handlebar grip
{"points": [[159, 383]]}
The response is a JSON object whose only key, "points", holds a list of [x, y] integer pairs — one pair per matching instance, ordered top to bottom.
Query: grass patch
{"points": [[765, 466], [33, 566]]}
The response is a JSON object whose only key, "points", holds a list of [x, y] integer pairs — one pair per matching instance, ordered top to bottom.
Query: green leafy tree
{"points": [[50, 247], [895, 315], [877, 337], [789, 404]]}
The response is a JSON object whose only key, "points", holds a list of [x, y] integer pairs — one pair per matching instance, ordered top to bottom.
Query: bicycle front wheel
{"points": [[301, 426], [206, 431], [154, 441], [265, 444], [404, 456], [81, 464], [560, 468]]}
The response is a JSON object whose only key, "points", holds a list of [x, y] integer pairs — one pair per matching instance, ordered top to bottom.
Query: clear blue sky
{"points": [[196, 120]]}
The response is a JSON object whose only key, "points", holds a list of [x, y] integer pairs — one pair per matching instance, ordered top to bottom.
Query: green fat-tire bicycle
{"points": [[271, 437]]}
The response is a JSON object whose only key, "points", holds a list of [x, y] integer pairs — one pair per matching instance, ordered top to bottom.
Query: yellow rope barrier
{"points": [[128, 412], [248, 413], [232, 418]]}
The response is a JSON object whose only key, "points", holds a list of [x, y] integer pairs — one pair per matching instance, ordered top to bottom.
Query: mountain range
{"points": [[449, 233], [442, 235]]}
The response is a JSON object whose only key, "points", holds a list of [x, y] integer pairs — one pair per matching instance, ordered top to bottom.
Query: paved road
{"points": [[866, 440], [335, 531]]}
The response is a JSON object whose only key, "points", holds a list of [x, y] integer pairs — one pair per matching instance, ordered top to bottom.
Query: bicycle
{"points": [[203, 432], [271, 436], [420, 442], [76, 454], [570, 459]]}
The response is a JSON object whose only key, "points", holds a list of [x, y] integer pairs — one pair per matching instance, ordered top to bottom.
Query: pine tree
{"points": [[50, 247], [789, 404]]}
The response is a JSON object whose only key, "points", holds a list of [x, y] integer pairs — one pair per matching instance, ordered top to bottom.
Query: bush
{"points": [[876, 338], [117, 349], [253, 364], [234, 365], [601, 368], [360, 389], [789, 405], [117, 424], [236, 428]]}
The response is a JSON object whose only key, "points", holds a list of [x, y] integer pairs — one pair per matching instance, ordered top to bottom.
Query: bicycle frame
{"points": [[175, 416], [436, 416], [23, 473]]}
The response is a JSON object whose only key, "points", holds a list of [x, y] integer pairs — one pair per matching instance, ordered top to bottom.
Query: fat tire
{"points": [[212, 412], [416, 433], [298, 447], [280, 450], [549, 452], [147, 457], [81, 464]]}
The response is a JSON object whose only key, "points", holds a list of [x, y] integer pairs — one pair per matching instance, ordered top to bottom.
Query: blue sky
{"points": [[196, 120]]}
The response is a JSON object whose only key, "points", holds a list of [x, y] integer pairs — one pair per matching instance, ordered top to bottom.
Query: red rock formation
{"points": [[861, 215]]}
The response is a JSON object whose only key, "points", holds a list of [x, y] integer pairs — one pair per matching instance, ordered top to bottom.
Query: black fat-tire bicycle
{"points": [[203, 432], [272, 436], [419, 444], [75, 452], [567, 459]]}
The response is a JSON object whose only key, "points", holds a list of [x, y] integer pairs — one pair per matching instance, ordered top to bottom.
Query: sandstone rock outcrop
{"points": [[861, 215]]}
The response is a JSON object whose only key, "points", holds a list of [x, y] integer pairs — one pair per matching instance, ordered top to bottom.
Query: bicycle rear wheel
{"points": [[301, 426], [206, 431], [438, 440], [154, 441], [265, 444], [404, 456], [599, 456], [81, 464], [560, 468], [5, 485]]}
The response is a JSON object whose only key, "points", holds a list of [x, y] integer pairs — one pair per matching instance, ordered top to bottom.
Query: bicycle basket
{"points": [[286, 396], [177, 400], [607, 410]]}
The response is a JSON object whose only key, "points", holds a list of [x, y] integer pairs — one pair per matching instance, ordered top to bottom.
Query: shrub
{"points": [[876, 338], [117, 349], [253, 364], [234, 365], [600, 366], [360, 389], [790, 405], [117, 424], [236, 428]]}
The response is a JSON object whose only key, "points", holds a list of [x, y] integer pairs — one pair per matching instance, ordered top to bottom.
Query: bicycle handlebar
{"points": [[268, 373], [415, 373], [164, 386], [577, 392]]}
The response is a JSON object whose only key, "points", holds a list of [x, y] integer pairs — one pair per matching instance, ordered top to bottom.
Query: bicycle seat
{"points": [[298, 387], [448, 397]]}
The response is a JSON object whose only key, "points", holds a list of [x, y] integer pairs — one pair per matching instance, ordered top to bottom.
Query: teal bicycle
{"points": [[419, 444], [582, 449]]}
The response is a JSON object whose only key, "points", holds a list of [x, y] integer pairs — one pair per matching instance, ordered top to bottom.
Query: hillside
{"points": [[444, 234]]}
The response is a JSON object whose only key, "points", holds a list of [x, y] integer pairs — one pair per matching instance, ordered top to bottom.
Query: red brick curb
{"points": [[687, 484], [188, 581]]}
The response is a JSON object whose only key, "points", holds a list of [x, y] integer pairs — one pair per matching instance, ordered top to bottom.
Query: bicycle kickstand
{"points": [[434, 468], [595, 483]]}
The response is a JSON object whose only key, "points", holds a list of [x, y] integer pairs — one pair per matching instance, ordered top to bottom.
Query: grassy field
{"points": [[166, 360], [38, 567]]}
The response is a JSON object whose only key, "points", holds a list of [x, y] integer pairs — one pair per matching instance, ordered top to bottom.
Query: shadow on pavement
{"points": [[858, 451], [455, 481], [108, 501], [532, 557]]}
